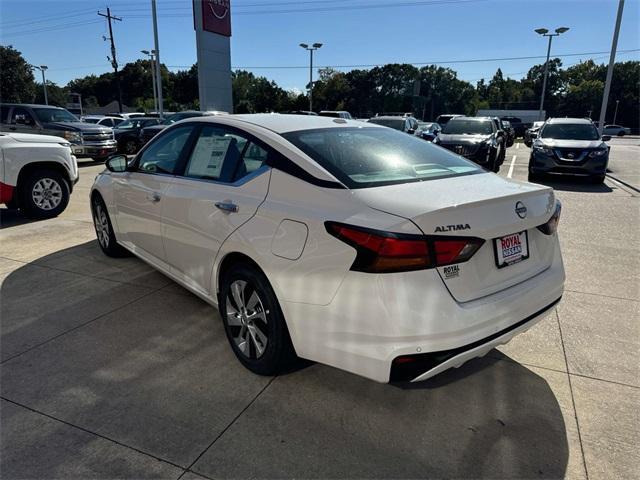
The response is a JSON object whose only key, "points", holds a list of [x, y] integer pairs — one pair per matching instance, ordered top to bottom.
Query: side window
{"points": [[4, 113], [22, 116], [163, 154], [254, 157]]}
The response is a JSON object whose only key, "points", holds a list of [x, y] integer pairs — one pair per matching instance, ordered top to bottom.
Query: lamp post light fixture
{"points": [[545, 33], [311, 49], [151, 54], [42, 69]]}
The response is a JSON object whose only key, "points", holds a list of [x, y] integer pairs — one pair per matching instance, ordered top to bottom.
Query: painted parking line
{"points": [[517, 146], [513, 163]]}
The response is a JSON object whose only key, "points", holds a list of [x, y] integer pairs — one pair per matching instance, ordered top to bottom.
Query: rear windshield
{"points": [[395, 123], [468, 127], [570, 131], [370, 157]]}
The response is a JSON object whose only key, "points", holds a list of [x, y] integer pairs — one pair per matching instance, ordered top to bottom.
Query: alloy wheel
{"points": [[46, 193], [101, 223], [247, 319]]}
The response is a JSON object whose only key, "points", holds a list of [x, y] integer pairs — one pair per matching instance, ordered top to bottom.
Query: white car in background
{"points": [[102, 120], [616, 130], [37, 173], [338, 241]]}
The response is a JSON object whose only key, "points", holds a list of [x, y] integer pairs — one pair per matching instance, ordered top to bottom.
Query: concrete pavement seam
{"points": [[602, 295], [77, 327], [573, 374], [573, 400], [33, 410], [227, 427]]}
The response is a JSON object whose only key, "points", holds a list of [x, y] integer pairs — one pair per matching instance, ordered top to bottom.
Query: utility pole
{"points": [[157, 52], [151, 55], [113, 59], [612, 60], [615, 115]]}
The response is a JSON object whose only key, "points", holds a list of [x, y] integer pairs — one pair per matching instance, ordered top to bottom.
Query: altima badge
{"points": [[521, 210]]}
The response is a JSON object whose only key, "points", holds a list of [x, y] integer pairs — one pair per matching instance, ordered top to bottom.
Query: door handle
{"points": [[154, 197], [227, 206]]}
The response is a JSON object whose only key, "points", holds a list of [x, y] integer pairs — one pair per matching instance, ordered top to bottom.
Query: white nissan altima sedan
{"points": [[337, 241]]}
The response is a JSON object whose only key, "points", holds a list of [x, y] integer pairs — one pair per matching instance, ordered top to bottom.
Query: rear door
{"points": [[225, 180]]}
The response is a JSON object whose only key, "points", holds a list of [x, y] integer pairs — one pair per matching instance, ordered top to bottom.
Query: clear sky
{"points": [[67, 35]]}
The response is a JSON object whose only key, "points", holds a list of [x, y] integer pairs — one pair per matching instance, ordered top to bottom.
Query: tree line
{"points": [[428, 91]]}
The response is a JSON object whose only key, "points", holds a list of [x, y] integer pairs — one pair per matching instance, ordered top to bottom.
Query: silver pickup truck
{"points": [[86, 139]]}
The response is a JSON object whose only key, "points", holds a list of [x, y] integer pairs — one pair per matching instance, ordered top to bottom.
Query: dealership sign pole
{"points": [[212, 23], [157, 52], [612, 60]]}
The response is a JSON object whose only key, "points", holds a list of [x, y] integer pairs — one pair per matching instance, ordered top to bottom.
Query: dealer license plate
{"points": [[511, 249]]}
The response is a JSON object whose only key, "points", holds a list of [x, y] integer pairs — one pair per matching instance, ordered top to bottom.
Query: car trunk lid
{"points": [[483, 206]]}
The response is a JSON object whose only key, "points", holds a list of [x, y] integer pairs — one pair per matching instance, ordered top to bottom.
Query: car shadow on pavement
{"points": [[12, 218], [125, 354]]}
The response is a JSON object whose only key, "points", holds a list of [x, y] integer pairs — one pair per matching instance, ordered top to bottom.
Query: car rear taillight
{"points": [[551, 226], [385, 252]]}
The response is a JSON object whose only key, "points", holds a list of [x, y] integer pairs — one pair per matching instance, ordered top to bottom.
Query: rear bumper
{"points": [[541, 163], [374, 319], [416, 368]]}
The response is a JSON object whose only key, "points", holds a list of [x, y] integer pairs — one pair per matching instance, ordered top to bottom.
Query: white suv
{"points": [[37, 173]]}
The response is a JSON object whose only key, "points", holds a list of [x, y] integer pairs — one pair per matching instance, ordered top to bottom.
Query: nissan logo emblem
{"points": [[521, 210]]}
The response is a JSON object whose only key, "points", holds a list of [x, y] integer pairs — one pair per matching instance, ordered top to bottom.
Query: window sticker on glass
{"points": [[207, 157]]}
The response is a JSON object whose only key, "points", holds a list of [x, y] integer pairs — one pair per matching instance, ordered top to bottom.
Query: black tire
{"points": [[621, 133], [129, 147], [503, 154], [533, 177], [44, 194], [104, 230], [264, 317]]}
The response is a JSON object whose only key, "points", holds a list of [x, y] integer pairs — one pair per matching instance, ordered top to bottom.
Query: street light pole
{"points": [[545, 33], [311, 49], [42, 68], [153, 77], [615, 114]]}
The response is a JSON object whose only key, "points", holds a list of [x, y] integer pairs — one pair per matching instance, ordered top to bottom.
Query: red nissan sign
{"points": [[216, 16]]}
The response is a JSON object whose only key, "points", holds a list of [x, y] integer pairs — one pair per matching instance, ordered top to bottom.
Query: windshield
{"points": [[48, 115], [91, 120], [395, 123], [468, 127], [570, 131], [370, 157]]}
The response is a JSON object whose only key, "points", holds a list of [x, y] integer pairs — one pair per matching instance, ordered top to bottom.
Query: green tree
{"points": [[16, 78], [56, 95]]}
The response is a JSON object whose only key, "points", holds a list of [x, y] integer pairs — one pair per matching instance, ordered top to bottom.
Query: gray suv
{"points": [[87, 139], [569, 146]]}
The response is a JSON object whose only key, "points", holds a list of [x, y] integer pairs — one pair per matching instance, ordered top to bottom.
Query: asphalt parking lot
{"points": [[111, 370]]}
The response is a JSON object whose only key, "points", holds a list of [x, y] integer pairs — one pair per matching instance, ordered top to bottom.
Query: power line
{"points": [[52, 28]]}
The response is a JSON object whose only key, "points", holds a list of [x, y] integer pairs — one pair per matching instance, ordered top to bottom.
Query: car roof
{"points": [[30, 105], [389, 117], [479, 119], [583, 121], [282, 123]]}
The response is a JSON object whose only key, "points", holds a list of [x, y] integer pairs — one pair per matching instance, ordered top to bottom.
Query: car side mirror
{"points": [[411, 131], [606, 138], [117, 163]]}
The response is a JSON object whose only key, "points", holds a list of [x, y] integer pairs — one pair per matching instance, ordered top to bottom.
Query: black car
{"points": [[404, 124], [518, 127], [503, 132], [147, 133], [511, 133], [127, 134], [475, 138], [86, 139], [569, 146]]}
